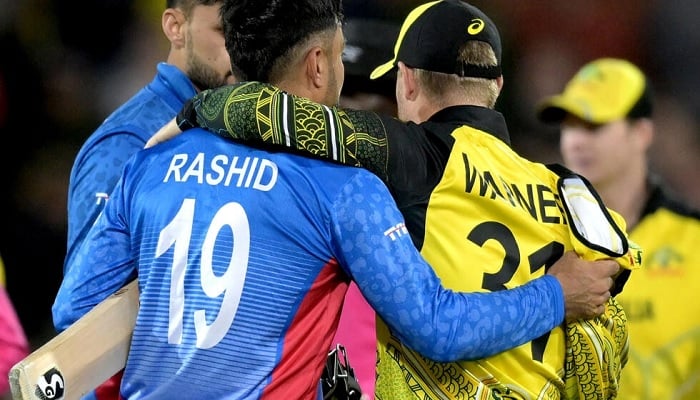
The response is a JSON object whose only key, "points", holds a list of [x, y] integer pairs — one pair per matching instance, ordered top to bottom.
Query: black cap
{"points": [[433, 33]]}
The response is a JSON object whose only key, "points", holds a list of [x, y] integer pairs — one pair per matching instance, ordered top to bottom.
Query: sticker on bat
{"points": [[50, 385]]}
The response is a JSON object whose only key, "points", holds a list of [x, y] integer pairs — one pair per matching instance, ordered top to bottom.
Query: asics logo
{"points": [[476, 26]]}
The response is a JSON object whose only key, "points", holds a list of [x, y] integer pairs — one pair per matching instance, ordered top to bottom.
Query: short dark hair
{"points": [[259, 32]]}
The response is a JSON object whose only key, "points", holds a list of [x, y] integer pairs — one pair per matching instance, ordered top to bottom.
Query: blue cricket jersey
{"points": [[99, 162], [243, 258]]}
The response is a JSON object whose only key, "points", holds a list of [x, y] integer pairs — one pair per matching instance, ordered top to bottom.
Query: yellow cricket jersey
{"points": [[496, 207], [663, 311]]}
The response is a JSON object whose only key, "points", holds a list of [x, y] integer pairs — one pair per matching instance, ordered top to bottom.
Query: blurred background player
{"points": [[607, 131]]}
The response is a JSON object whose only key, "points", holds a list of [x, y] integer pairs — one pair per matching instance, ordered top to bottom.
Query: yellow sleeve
{"points": [[597, 349]]}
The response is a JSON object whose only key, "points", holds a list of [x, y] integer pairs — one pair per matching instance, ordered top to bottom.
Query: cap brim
{"points": [[382, 69], [554, 110]]}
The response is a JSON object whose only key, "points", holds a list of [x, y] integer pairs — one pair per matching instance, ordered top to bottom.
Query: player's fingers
{"points": [[168, 131], [612, 266], [601, 308]]}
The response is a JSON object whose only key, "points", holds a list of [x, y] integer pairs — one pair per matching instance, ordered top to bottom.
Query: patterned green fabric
{"points": [[292, 121]]}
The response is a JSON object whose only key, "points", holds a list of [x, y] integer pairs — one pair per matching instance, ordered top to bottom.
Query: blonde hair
{"points": [[441, 88]]}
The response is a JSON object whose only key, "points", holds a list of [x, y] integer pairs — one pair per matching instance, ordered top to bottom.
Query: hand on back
{"points": [[168, 131], [586, 284]]}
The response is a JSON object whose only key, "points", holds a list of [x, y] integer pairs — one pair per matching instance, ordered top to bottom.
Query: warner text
{"points": [[537, 199]]}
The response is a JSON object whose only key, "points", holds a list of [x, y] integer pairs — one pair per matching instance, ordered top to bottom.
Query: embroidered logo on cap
{"points": [[476, 26]]}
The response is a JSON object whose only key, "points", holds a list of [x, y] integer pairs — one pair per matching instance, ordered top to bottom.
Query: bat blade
{"points": [[83, 356]]}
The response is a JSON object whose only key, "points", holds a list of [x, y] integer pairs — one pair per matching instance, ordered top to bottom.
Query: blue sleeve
{"points": [[95, 173], [101, 265], [403, 289]]}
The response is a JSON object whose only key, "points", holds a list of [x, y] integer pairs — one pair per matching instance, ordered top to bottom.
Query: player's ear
{"points": [[173, 22], [316, 66], [407, 78], [644, 132]]}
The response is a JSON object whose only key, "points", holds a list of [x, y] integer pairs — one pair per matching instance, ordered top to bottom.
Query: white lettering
{"points": [[176, 164], [265, 165], [217, 166], [252, 168], [196, 169], [236, 170], [249, 172], [101, 196], [396, 231]]}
